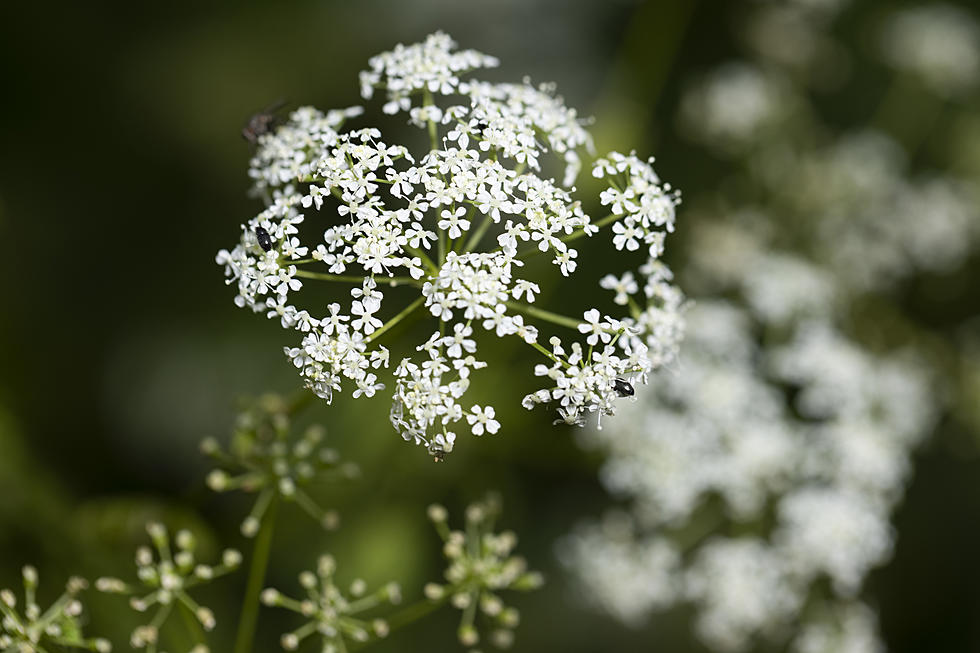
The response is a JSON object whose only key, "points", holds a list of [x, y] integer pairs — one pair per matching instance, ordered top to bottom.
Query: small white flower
{"points": [[482, 419]]}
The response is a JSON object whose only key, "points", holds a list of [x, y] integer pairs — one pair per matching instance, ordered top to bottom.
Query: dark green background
{"points": [[122, 171]]}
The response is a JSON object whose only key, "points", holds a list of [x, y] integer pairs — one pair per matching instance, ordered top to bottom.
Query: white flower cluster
{"points": [[794, 36], [938, 42], [733, 107], [455, 223], [895, 225], [721, 429]]}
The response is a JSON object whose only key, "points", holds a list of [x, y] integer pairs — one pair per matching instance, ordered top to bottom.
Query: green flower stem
{"points": [[433, 136], [478, 233], [425, 259], [306, 274], [408, 310], [542, 314], [548, 353], [300, 400], [256, 578], [414, 612], [194, 628]]}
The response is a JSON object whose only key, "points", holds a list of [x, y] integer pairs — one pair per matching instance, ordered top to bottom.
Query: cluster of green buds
{"points": [[262, 458], [480, 566], [169, 576], [330, 613], [35, 631]]}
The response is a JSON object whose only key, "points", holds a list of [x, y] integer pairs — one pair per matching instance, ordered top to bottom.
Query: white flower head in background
{"points": [[939, 43], [734, 106], [455, 224], [801, 445]]}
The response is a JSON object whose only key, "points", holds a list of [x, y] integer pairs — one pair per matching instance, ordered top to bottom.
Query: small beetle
{"points": [[265, 240], [623, 388]]}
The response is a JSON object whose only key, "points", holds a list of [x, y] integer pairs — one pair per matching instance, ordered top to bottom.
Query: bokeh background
{"points": [[122, 172]]}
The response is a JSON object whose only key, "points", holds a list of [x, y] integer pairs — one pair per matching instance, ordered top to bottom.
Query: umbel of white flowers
{"points": [[455, 223]]}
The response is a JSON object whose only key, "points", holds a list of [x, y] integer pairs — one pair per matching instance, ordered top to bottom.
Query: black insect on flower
{"points": [[262, 122], [265, 240], [623, 387], [438, 453]]}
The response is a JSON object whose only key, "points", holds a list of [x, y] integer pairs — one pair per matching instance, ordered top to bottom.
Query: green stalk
{"points": [[478, 234], [320, 276], [542, 314], [395, 320], [256, 578]]}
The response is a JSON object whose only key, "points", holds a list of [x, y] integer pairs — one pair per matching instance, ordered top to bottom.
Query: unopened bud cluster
{"points": [[266, 458], [481, 565], [168, 576], [330, 612], [34, 630]]}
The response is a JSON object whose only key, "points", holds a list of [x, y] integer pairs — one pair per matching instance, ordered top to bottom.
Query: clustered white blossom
{"points": [[793, 36], [939, 43], [734, 107], [455, 223], [894, 224], [718, 445], [262, 458], [758, 481], [481, 565], [168, 576], [330, 612], [34, 630]]}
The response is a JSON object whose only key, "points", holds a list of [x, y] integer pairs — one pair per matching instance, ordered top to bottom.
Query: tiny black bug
{"points": [[262, 122], [265, 240], [623, 388], [437, 453]]}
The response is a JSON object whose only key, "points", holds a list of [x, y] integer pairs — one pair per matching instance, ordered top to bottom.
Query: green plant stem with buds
{"points": [[256, 579]]}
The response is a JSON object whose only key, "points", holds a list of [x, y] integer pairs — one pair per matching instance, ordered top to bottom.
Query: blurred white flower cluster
{"points": [[939, 43], [388, 216], [895, 224], [801, 448], [757, 480]]}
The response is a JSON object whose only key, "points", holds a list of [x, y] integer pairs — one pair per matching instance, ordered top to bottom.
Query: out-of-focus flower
{"points": [[939, 43], [734, 107], [806, 443], [261, 458], [481, 565], [168, 576], [330, 612], [33, 630]]}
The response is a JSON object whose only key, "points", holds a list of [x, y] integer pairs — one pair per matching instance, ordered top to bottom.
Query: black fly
{"points": [[262, 122], [265, 240], [623, 388]]}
